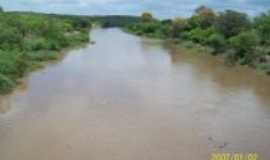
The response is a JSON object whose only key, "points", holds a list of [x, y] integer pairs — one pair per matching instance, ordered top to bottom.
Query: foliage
{"points": [[146, 17], [206, 17], [114, 20], [230, 23], [179, 25], [262, 25], [230, 33], [200, 35], [26, 39], [245, 41], [217, 42], [244, 45], [6, 84]]}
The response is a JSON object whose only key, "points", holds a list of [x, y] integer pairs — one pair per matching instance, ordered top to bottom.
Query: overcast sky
{"points": [[160, 8]]}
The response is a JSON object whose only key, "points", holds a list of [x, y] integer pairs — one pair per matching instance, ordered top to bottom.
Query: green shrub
{"points": [[149, 28], [199, 35], [10, 37], [245, 41], [217, 42], [36, 44], [244, 44], [262, 50], [42, 55], [8, 62], [265, 67], [6, 84]]}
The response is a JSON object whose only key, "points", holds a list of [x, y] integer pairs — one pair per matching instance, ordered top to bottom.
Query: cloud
{"points": [[160, 8]]}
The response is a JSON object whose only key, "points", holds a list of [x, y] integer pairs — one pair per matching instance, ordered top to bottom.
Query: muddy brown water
{"points": [[129, 98]]}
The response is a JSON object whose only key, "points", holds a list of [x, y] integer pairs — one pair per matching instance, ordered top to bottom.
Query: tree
{"points": [[202, 8], [1, 9], [206, 16], [146, 17], [194, 21], [167, 22], [81, 23], [231, 23], [178, 25], [262, 25]]}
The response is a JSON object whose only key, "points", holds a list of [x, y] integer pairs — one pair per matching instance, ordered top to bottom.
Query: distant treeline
{"points": [[115, 20], [232, 34], [27, 39]]}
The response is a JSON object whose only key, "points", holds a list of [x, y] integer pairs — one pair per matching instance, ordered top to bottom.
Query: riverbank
{"points": [[229, 34], [28, 40], [261, 63]]}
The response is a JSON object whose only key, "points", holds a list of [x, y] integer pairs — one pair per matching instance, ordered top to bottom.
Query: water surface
{"points": [[128, 98]]}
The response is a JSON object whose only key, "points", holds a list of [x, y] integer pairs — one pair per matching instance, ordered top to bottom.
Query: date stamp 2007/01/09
{"points": [[234, 156]]}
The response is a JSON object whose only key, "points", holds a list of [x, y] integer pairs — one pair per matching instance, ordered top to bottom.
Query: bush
{"points": [[149, 28], [199, 35], [10, 37], [245, 41], [217, 42], [36, 44], [244, 44], [263, 50], [41, 56], [8, 62], [21, 64], [265, 67], [6, 84]]}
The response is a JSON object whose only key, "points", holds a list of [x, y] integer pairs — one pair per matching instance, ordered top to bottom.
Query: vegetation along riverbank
{"points": [[231, 34], [28, 39]]}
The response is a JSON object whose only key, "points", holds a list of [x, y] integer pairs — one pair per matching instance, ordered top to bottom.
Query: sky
{"points": [[159, 8]]}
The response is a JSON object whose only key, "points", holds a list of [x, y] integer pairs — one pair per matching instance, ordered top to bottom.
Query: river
{"points": [[131, 98]]}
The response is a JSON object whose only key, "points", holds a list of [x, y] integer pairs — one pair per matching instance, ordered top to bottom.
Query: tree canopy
{"points": [[232, 33]]}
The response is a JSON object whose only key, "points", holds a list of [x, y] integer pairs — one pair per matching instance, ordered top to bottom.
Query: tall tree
{"points": [[206, 16], [146, 17], [231, 23], [262, 25], [178, 26]]}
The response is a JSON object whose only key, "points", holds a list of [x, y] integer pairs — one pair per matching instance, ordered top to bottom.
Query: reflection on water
{"points": [[237, 78], [132, 98]]}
